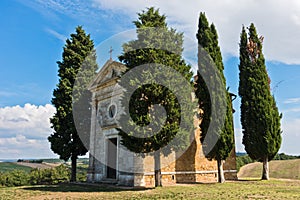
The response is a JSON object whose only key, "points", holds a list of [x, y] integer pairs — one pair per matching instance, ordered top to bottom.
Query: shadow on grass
{"points": [[249, 179], [197, 183], [69, 187], [84, 187]]}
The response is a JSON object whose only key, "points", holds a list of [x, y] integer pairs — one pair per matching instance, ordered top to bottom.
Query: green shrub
{"points": [[60, 174], [36, 176], [50, 176], [81, 176], [14, 178]]}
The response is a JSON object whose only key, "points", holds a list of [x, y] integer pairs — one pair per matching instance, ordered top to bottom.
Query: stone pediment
{"points": [[110, 72]]}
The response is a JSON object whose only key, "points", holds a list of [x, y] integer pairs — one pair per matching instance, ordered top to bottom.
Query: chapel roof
{"points": [[110, 71]]}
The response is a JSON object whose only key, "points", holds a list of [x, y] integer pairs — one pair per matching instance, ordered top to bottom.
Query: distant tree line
{"points": [[282, 156], [31, 161]]}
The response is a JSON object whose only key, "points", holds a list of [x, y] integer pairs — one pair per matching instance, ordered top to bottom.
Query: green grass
{"points": [[8, 166], [273, 189]]}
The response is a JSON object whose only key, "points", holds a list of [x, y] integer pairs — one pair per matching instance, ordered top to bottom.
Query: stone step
{"points": [[109, 181]]}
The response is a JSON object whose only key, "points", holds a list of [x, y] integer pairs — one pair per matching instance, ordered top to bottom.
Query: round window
{"points": [[112, 110]]}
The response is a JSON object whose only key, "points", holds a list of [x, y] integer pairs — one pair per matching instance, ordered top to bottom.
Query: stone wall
{"points": [[230, 165], [187, 167]]}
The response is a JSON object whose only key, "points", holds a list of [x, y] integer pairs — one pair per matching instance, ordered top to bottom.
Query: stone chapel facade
{"points": [[109, 162]]}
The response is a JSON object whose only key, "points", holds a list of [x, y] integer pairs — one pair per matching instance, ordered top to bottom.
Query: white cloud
{"points": [[277, 20], [59, 36], [292, 101], [291, 110], [291, 113], [30, 119], [291, 126], [24, 131], [290, 136], [19, 140], [22, 147], [239, 147]]}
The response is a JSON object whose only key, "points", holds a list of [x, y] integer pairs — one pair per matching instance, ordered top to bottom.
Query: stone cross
{"points": [[110, 53]]}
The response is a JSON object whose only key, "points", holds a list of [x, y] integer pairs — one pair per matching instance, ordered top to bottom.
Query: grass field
{"points": [[8, 166], [289, 169], [249, 188], [273, 189]]}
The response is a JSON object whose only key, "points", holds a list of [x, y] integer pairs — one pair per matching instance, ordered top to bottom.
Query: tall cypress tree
{"points": [[208, 41], [157, 46], [78, 56], [259, 114]]}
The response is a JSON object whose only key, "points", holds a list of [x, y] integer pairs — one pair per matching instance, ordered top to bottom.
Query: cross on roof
{"points": [[110, 52]]}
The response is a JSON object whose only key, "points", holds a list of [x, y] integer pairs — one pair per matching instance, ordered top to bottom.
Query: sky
{"points": [[34, 33]]}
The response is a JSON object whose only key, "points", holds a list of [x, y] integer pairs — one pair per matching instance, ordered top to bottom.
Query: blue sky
{"points": [[34, 32]]}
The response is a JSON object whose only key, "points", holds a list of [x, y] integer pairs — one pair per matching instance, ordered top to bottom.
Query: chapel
{"points": [[110, 162]]}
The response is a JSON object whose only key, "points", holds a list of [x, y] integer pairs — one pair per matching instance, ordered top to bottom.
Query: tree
{"points": [[208, 41], [157, 46], [78, 57], [259, 114]]}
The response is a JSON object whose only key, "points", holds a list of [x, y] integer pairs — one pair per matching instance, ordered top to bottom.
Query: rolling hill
{"points": [[281, 169]]}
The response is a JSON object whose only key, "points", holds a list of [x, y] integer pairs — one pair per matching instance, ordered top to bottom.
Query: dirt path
{"points": [[39, 165]]}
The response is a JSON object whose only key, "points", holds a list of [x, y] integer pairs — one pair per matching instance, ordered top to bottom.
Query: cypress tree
{"points": [[208, 41], [156, 46], [78, 56], [259, 114]]}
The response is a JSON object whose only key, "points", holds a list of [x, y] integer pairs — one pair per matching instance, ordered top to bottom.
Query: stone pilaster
{"points": [[91, 170]]}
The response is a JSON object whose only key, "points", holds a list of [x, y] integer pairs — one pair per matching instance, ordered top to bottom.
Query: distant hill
{"points": [[240, 153], [8, 160], [28, 164], [286, 169]]}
